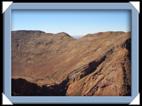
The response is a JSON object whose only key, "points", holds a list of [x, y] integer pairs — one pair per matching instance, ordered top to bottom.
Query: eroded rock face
{"points": [[94, 65]]}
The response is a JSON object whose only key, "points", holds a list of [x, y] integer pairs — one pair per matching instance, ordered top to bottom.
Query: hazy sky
{"points": [[75, 23]]}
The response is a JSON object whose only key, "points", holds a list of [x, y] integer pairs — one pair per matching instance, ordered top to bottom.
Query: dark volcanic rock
{"points": [[57, 64]]}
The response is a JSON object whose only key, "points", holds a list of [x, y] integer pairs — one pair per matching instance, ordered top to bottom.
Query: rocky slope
{"points": [[57, 64]]}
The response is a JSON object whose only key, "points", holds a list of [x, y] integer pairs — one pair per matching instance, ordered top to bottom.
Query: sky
{"points": [[73, 22]]}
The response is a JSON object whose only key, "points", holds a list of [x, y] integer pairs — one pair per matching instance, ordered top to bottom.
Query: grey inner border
{"points": [[71, 99]]}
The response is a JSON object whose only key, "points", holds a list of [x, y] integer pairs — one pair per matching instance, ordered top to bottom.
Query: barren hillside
{"points": [[56, 64]]}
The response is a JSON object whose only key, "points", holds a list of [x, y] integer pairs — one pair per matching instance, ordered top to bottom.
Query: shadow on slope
{"points": [[21, 87]]}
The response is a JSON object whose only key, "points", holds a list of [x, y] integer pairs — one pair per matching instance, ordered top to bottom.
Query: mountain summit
{"points": [[63, 35]]}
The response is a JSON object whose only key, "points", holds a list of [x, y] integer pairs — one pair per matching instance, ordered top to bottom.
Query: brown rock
{"points": [[96, 64]]}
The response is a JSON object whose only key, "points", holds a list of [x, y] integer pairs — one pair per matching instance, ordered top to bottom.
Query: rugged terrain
{"points": [[56, 64]]}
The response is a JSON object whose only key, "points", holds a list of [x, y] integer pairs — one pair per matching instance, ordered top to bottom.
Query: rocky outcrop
{"points": [[57, 64]]}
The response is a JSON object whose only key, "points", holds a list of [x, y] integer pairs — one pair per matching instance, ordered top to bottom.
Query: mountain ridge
{"points": [[66, 34]]}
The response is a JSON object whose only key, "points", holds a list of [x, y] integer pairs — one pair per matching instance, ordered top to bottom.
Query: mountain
{"points": [[56, 64]]}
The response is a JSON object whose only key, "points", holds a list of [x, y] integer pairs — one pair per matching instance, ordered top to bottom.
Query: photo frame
{"points": [[8, 7]]}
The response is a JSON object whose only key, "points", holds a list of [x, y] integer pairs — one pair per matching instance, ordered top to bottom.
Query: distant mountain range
{"points": [[48, 64]]}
